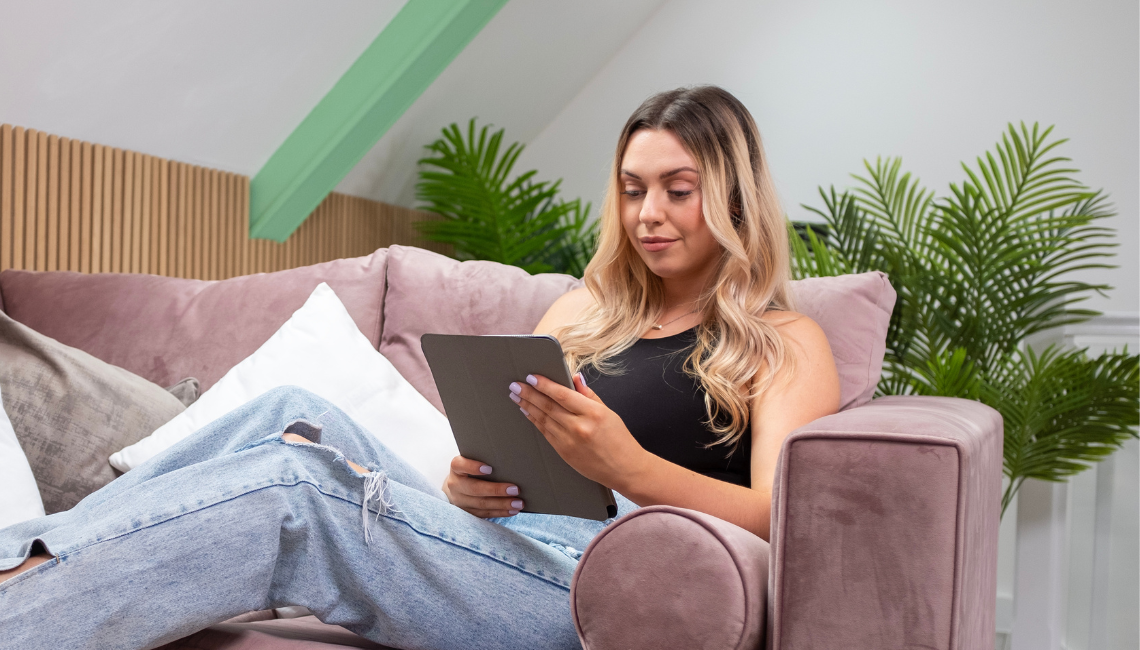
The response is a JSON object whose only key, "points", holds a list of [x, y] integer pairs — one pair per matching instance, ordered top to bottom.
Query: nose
{"points": [[652, 208]]}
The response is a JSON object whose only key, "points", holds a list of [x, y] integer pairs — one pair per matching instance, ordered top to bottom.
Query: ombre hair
{"points": [[737, 355]]}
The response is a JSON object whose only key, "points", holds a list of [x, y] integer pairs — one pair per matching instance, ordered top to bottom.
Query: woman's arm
{"points": [[594, 440]]}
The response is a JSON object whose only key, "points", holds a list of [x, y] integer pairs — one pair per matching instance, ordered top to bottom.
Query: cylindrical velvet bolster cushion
{"points": [[665, 577]]}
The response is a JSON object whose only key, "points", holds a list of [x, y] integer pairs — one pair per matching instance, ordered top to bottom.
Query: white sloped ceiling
{"points": [[219, 83]]}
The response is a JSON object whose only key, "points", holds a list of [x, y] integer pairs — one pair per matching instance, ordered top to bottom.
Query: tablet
{"points": [[472, 374]]}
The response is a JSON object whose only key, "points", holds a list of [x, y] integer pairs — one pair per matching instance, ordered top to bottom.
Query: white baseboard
{"points": [[1114, 330], [1004, 617]]}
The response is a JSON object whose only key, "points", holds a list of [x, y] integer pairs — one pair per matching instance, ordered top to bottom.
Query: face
{"points": [[661, 207]]}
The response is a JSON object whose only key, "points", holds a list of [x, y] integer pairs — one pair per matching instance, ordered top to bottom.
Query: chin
{"points": [[665, 269]]}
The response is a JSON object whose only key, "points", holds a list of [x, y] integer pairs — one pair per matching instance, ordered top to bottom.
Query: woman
{"points": [[691, 371]]}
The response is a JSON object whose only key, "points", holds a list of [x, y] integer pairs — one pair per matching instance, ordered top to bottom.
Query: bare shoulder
{"points": [[569, 308], [799, 330], [813, 380]]}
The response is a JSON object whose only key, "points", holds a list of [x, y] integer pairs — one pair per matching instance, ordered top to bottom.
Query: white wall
{"points": [[211, 82], [833, 82]]}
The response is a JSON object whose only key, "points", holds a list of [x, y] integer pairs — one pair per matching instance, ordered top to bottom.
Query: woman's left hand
{"points": [[585, 433]]}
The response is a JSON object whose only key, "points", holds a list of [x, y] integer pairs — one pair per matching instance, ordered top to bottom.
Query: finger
{"points": [[583, 389], [565, 397], [530, 399], [556, 419], [550, 428], [466, 466], [480, 488], [497, 504], [487, 514]]}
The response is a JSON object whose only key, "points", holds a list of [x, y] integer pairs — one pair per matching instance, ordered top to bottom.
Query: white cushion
{"points": [[321, 350], [19, 495]]}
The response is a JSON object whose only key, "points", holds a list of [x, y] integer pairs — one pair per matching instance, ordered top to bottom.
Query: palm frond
{"points": [[489, 213], [977, 272], [1062, 410]]}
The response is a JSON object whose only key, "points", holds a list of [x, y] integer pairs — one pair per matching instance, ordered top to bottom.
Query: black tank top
{"points": [[664, 408]]}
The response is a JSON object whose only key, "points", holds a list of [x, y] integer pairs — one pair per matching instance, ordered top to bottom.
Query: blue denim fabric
{"points": [[235, 519]]}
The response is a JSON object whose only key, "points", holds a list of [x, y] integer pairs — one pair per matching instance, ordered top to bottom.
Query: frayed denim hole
{"points": [[305, 429], [337, 455], [376, 489], [38, 547]]}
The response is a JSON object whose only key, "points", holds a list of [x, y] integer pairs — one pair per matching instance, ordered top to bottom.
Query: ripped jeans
{"points": [[235, 519]]}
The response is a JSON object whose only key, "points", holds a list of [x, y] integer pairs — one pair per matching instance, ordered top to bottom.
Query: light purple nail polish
{"points": [[582, 378], [532, 380], [515, 387], [515, 398], [524, 411], [486, 469], [513, 490], [517, 504], [513, 512]]}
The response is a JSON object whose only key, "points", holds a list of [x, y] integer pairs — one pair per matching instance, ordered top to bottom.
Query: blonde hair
{"points": [[736, 355]]}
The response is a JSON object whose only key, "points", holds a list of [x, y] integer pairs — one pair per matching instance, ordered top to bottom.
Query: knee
{"points": [[292, 437]]}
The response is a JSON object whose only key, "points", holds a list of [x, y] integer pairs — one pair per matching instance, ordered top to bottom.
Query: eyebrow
{"points": [[665, 175]]}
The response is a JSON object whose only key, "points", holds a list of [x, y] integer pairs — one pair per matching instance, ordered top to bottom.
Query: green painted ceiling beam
{"points": [[401, 63]]}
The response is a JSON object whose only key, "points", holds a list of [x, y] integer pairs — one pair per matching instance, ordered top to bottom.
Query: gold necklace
{"points": [[657, 327]]}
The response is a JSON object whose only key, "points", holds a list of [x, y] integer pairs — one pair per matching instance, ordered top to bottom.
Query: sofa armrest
{"points": [[885, 521], [666, 577]]}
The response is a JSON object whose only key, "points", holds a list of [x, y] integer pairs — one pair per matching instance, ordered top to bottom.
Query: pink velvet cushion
{"points": [[428, 292], [854, 312], [166, 329], [665, 577]]}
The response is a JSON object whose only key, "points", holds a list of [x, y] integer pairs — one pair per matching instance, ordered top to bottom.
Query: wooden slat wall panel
{"points": [[20, 166], [41, 201], [76, 206], [6, 208], [51, 250]]}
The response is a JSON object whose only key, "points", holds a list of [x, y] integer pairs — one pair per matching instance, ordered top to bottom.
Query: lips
{"points": [[655, 244]]}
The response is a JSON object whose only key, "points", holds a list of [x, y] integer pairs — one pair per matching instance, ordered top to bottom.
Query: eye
{"points": [[633, 193], [680, 194]]}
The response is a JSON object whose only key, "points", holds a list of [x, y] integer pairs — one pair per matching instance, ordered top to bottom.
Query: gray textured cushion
{"points": [[187, 391], [71, 411]]}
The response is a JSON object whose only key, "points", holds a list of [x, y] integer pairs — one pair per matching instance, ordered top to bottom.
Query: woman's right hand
{"points": [[480, 498]]}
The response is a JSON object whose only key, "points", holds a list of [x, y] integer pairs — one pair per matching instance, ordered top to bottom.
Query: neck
{"points": [[685, 291]]}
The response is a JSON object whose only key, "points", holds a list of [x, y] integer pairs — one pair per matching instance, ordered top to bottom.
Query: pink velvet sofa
{"points": [[885, 515]]}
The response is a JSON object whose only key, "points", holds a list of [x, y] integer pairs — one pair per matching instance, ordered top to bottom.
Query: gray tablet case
{"points": [[472, 374]]}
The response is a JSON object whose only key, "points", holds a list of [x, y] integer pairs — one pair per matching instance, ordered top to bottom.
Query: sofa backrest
{"points": [[428, 292], [167, 329]]}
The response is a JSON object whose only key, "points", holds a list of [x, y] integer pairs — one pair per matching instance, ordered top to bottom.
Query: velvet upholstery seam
{"points": [[383, 298]]}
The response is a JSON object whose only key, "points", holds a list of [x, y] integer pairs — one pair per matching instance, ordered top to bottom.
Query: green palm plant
{"points": [[490, 214], [978, 273]]}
